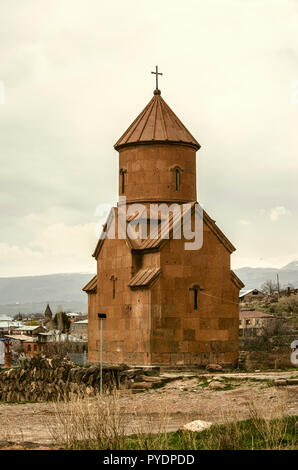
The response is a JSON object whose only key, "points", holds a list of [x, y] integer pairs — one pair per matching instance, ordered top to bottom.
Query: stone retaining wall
{"points": [[47, 379]]}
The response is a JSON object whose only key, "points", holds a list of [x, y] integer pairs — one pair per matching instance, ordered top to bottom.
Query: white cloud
{"points": [[66, 104], [261, 211], [277, 211], [57, 248]]}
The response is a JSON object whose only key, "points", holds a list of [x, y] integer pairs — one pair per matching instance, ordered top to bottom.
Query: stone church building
{"points": [[165, 305]]}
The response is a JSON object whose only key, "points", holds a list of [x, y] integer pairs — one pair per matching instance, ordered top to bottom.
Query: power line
{"points": [[220, 298]]}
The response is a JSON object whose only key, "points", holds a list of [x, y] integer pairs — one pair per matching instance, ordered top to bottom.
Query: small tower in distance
{"points": [[48, 314]]}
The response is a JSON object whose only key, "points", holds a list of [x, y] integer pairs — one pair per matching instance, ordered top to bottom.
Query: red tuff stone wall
{"points": [[150, 174], [159, 325], [126, 330], [180, 334]]}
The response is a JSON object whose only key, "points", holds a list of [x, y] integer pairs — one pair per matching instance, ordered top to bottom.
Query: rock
{"points": [[213, 367], [151, 370], [131, 373], [146, 378], [218, 379], [292, 381], [279, 382], [216, 384], [139, 385], [196, 426]]}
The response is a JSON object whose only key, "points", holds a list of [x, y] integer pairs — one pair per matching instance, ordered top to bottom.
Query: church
{"points": [[164, 305]]}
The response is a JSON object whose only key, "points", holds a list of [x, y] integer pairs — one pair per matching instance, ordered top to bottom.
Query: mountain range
{"points": [[255, 277], [30, 294]]}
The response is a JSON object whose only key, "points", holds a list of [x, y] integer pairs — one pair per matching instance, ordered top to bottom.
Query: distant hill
{"points": [[293, 266], [255, 277], [30, 294]]}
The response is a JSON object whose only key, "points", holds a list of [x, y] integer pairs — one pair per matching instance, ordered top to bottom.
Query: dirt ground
{"points": [[190, 396]]}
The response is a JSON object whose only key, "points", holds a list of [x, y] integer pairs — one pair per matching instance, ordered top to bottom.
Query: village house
{"points": [[288, 291], [250, 295], [164, 304], [72, 316], [8, 318], [253, 323], [7, 326], [79, 329], [29, 330], [55, 337], [47, 342], [54, 342], [24, 344], [31, 347], [4, 353]]}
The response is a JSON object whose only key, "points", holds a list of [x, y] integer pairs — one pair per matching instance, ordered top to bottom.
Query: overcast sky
{"points": [[77, 72]]}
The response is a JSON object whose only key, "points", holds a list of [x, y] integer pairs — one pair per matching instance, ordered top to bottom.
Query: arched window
{"points": [[177, 170], [177, 179], [122, 180], [114, 279], [195, 296]]}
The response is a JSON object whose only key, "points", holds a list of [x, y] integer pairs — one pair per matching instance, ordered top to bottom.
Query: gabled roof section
{"points": [[157, 123], [104, 232], [163, 234], [220, 235], [160, 237], [144, 278], [235, 279], [91, 287], [250, 291], [30, 339]]}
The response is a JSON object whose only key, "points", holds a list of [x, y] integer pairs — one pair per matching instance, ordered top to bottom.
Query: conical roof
{"points": [[157, 123], [48, 312]]}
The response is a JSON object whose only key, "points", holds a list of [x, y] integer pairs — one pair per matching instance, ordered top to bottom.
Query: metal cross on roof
{"points": [[156, 73]]}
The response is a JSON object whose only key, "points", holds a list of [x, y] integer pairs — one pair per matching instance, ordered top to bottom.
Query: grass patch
{"points": [[165, 381], [204, 382], [18, 402], [101, 423], [241, 435]]}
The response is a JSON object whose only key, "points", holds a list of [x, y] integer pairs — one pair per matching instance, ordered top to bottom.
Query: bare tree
{"points": [[269, 287]]}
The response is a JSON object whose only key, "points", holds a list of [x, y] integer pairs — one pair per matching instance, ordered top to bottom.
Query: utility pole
{"points": [[278, 285], [101, 316]]}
